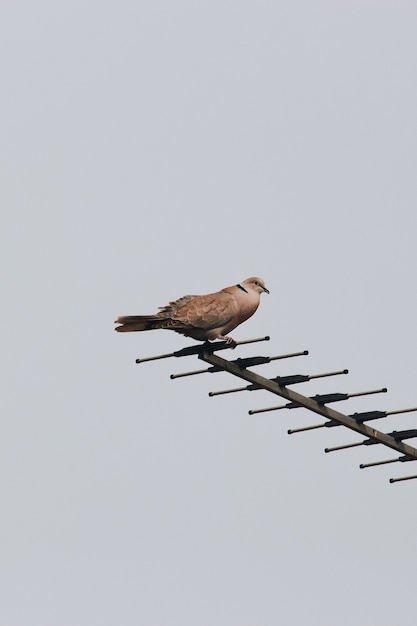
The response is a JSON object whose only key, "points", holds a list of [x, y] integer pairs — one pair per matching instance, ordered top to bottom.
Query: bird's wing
{"points": [[174, 306], [206, 312]]}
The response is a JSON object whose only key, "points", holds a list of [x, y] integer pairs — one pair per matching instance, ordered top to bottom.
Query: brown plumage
{"points": [[202, 317]]}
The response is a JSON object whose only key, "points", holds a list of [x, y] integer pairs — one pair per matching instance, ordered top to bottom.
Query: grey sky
{"points": [[154, 149]]}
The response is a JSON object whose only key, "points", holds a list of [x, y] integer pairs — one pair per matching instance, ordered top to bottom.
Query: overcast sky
{"points": [[155, 149]]}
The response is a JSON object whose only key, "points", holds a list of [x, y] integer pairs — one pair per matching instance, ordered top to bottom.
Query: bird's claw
{"points": [[229, 341]]}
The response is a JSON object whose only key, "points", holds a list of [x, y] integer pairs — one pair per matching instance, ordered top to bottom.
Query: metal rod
{"points": [[256, 340], [206, 347], [290, 355], [155, 358], [243, 363], [345, 371], [194, 373], [281, 380], [224, 391], [368, 393], [320, 399], [308, 403], [271, 408], [401, 411], [361, 417], [328, 424], [301, 430], [397, 435], [345, 447], [375, 463], [397, 480]]}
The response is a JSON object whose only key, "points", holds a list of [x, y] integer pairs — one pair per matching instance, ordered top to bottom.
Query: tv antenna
{"points": [[318, 403]]}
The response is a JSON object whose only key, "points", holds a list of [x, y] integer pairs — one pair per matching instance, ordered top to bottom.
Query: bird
{"points": [[204, 318]]}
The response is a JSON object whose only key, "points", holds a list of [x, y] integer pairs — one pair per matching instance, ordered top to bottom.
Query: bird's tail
{"points": [[131, 323]]}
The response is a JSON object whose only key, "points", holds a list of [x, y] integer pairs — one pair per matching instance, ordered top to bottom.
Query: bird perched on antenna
{"points": [[202, 317]]}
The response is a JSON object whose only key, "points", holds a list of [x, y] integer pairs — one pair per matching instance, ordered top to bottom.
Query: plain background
{"points": [[154, 149]]}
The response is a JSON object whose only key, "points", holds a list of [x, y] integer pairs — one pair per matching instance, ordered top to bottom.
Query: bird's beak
{"points": [[266, 290]]}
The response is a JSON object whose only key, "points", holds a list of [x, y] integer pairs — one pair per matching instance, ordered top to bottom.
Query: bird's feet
{"points": [[228, 340]]}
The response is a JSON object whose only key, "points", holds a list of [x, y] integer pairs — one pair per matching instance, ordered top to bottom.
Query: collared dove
{"points": [[202, 317]]}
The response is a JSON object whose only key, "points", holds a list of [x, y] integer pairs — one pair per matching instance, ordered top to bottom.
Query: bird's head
{"points": [[255, 284]]}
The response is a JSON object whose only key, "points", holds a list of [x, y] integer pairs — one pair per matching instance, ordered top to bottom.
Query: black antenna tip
{"points": [[346, 371], [384, 390]]}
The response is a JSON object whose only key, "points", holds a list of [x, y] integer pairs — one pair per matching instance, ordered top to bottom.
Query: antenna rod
{"points": [[207, 348], [242, 363], [283, 381], [320, 399], [359, 417], [312, 427], [397, 435], [345, 447], [402, 459], [397, 480]]}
